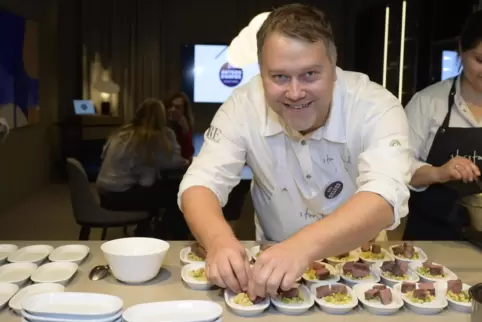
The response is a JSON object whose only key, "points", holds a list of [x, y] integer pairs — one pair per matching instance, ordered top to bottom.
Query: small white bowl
{"points": [[6, 250], [183, 256], [353, 257], [387, 257], [422, 257], [135, 260], [335, 275], [449, 275], [374, 276], [412, 276], [191, 281], [460, 306], [377, 307], [435, 307], [333, 308], [295, 309], [246, 311]]}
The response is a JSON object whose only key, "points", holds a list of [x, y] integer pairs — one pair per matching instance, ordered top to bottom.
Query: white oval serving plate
{"points": [[6, 250], [69, 253], [31, 254], [353, 257], [387, 257], [422, 257], [55, 272], [16, 273], [449, 275], [374, 276], [411, 276], [334, 277], [191, 281], [7, 290], [16, 301], [72, 305], [436, 306], [377, 307], [465, 307], [298, 308], [334, 308], [186, 311], [246, 311], [33, 318]]}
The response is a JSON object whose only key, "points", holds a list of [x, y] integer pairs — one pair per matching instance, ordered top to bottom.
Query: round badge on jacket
{"points": [[333, 189]]}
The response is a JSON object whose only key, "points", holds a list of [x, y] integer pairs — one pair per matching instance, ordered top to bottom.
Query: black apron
{"points": [[436, 214]]}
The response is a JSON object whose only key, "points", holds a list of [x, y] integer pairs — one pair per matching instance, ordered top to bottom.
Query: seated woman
{"points": [[181, 120], [132, 159]]}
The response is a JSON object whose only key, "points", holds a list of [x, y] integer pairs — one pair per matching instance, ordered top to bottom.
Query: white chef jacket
{"points": [[426, 112], [363, 145]]}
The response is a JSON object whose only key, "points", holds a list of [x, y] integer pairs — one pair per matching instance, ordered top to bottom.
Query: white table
{"points": [[461, 258]]}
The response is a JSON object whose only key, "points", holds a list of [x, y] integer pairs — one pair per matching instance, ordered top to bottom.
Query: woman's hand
{"points": [[458, 168]]}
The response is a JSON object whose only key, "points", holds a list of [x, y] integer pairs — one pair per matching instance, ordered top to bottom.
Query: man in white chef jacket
{"points": [[328, 150]]}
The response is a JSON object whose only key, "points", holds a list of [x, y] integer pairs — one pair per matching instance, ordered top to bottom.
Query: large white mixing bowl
{"points": [[135, 260]]}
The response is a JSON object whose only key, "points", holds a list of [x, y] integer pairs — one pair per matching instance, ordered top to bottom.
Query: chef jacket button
{"points": [[303, 142], [308, 176]]}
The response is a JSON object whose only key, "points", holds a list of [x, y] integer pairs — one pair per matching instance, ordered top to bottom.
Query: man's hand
{"points": [[458, 168], [227, 265], [279, 266]]}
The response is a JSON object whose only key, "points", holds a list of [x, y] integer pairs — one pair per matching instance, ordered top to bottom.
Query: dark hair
{"points": [[298, 21], [471, 34], [187, 106]]}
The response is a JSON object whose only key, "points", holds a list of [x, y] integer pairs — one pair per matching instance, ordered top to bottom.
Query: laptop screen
{"points": [[84, 107]]}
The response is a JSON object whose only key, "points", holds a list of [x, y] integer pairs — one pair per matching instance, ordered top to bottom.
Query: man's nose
{"points": [[295, 91]]}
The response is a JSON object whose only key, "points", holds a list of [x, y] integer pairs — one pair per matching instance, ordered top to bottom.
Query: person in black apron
{"points": [[435, 214]]}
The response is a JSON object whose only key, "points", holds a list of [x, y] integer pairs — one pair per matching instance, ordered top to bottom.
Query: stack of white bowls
{"points": [[135, 260], [72, 307]]}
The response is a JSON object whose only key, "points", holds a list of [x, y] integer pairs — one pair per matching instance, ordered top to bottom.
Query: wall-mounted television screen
{"points": [[207, 76]]}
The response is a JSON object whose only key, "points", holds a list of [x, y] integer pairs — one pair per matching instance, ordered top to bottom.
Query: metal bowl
{"points": [[473, 204]]}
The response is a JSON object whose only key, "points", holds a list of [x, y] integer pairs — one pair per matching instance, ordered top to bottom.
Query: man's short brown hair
{"points": [[301, 22]]}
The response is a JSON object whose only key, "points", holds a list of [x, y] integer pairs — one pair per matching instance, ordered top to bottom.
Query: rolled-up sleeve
{"points": [[223, 154], [384, 164]]}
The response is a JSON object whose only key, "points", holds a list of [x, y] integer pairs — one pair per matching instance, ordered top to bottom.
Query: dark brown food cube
{"points": [[366, 247], [376, 249], [198, 250], [398, 250], [408, 251], [343, 255], [427, 264], [316, 266], [362, 266], [388, 266], [403, 266], [348, 267], [436, 270], [398, 271], [359, 273], [322, 274], [455, 286], [379, 287], [407, 287], [427, 287], [339, 289], [323, 291], [294, 292], [371, 294], [420, 294], [385, 296], [258, 300]]}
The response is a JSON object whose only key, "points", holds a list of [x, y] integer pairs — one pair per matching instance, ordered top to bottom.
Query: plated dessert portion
{"points": [[408, 252], [374, 253], [193, 254], [352, 256], [319, 271], [354, 272], [392, 272], [432, 272], [194, 276], [379, 293], [458, 296], [334, 298], [378, 298], [423, 298], [297, 300], [242, 305]]}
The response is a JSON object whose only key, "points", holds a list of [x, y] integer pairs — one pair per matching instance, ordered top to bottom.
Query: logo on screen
{"points": [[230, 76]]}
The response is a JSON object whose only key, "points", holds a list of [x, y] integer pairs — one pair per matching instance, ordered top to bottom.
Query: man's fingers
{"points": [[238, 265], [227, 274], [213, 276], [260, 279], [289, 281], [274, 282]]}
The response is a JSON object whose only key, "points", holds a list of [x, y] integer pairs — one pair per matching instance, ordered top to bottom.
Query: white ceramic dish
{"points": [[5, 251], [69, 253], [31, 254], [183, 256], [353, 257], [387, 257], [422, 257], [135, 260], [55, 272], [17, 273], [335, 275], [449, 275], [374, 276], [411, 276], [191, 281], [7, 290], [16, 301], [72, 305], [436, 306], [458, 306], [375, 307], [333, 308], [295, 309], [186, 311], [246, 311], [33, 318], [119, 320]]}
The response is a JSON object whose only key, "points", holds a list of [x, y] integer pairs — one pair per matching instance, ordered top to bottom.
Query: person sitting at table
{"points": [[181, 120], [133, 157]]}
